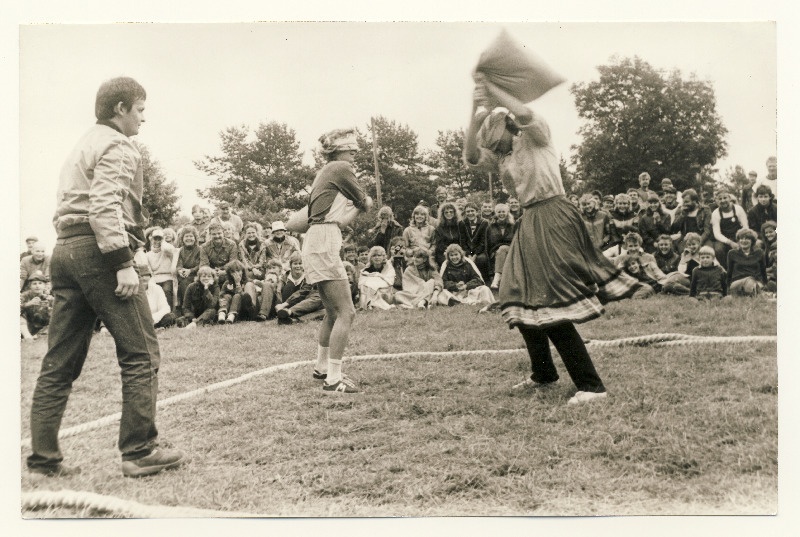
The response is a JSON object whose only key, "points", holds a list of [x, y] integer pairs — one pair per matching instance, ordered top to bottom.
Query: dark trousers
{"points": [[83, 287], [570, 346]]}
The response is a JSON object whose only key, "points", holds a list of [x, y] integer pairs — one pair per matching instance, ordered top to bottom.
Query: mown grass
{"points": [[686, 430]]}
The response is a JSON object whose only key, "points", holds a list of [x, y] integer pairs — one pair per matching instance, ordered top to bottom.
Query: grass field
{"points": [[686, 430]]}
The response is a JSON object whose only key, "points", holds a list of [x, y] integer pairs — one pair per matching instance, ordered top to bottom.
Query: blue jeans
{"points": [[83, 287]]}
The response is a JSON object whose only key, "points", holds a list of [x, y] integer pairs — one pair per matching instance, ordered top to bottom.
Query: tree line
{"points": [[635, 118]]}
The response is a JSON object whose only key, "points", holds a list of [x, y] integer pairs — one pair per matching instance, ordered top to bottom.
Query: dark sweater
{"points": [[741, 265], [708, 280]]}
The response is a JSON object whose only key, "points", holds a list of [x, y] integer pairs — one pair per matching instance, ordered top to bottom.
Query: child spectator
{"points": [[598, 222], [653, 222], [446, 232], [499, 233], [170, 236], [397, 251], [350, 253], [689, 257], [363, 258], [632, 266], [747, 271], [461, 277], [708, 280], [376, 281], [422, 283], [237, 295], [201, 299], [300, 300], [35, 305], [159, 306]]}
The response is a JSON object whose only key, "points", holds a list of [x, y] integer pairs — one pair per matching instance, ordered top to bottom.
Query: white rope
{"points": [[652, 339], [43, 499], [125, 508]]}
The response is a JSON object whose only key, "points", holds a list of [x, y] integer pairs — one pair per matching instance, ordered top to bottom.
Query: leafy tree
{"points": [[640, 119], [448, 164], [261, 173], [404, 178], [159, 196]]}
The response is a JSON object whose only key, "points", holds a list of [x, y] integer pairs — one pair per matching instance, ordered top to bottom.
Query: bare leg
{"points": [[339, 314]]}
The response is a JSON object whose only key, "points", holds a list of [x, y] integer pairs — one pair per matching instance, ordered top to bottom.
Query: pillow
{"points": [[507, 65]]}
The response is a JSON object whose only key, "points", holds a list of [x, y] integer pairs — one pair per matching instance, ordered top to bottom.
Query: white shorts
{"points": [[321, 247]]}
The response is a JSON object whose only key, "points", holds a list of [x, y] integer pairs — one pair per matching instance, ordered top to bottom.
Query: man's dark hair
{"points": [[122, 89]]}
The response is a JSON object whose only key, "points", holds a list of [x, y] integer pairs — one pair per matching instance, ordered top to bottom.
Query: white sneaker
{"points": [[191, 325], [585, 397]]}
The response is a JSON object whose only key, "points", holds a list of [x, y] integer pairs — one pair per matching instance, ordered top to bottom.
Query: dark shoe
{"points": [[453, 302], [284, 314], [261, 318], [319, 376], [159, 459], [58, 470]]}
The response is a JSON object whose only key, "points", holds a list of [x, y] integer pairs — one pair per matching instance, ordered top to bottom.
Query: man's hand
{"points": [[127, 283]]}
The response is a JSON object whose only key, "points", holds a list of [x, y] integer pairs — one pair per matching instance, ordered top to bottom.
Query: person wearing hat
{"points": [[336, 197], [225, 214], [99, 219], [29, 242], [280, 245], [160, 259], [37, 261], [553, 276], [36, 304]]}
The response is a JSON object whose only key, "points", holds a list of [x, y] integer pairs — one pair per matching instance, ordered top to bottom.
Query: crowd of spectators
{"points": [[218, 269]]}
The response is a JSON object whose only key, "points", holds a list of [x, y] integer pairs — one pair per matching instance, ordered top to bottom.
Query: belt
{"points": [[75, 238]]}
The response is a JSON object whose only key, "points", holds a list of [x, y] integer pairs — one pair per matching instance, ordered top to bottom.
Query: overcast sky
{"points": [[201, 78]]}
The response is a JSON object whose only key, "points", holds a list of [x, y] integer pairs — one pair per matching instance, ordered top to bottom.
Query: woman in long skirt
{"points": [[336, 197], [553, 276]]}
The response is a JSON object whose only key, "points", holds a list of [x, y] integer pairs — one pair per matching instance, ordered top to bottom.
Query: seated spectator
{"points": [[770, 181], [644, 191], [573, 199], [670, 200], [461, 204], [608, 204], [637, 204], [514, 208], [764, 209], [435, 210], [487, 210], [691, 217], [201, 218], [226, 218], [726, 220], [597, 221], [623, 221], [653, 222], [385, 229], [446, 231], [472, 231], [420, 232], [499, 232], [170, 236], [769, 238], [29, 242], [281, 246], [218, 251], [252, 252], [350, 253], [690, 257], [159, 258], [363, 258], [398, 259], [667, 259], [187, 261], [36, 262], [647, 262], [631, 265], [772, 270], [747, 271], [462, 278], [352, 279], [709, 280], [376, 282], [422, 283], [270, 288], [237, 295], [201, 300], [300, 300], [159, 306], [35, 307]]}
